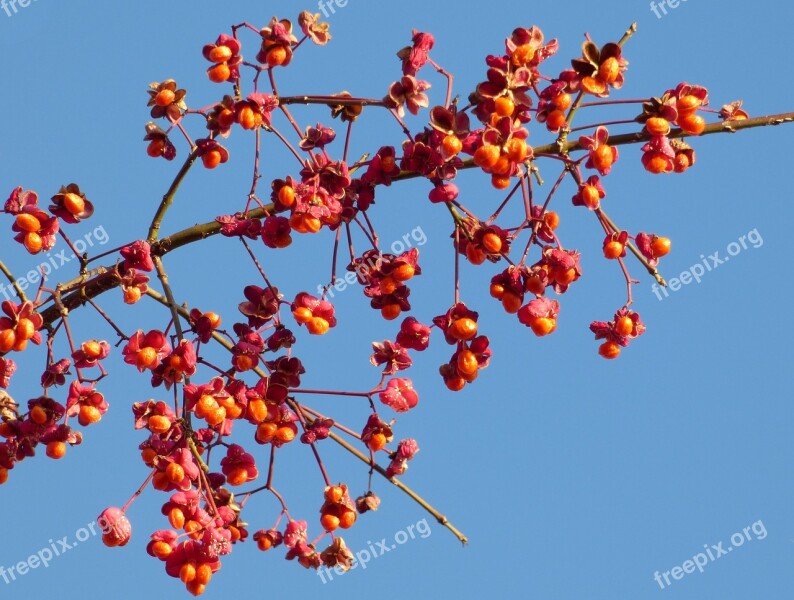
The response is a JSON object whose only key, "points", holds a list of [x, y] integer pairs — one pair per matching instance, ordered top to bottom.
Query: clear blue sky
{"points": [[573, 478]]}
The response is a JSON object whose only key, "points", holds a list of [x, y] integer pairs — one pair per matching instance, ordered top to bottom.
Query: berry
{"points": [[220, 54], [523, 55], [276, 56], [609, 70], [219, 73], [164, 97], [562, 101], [687, 105], [504, 106], [555, 120], [693, 124], [657, 126], [452, 145], [156, 147], [516, 149], [486, 156], [603, 157], [211, 159], [500, 182], [286, 196], [591, 197], [74, 203], [552, 219], [27, 222], [33, 242], [492, 243], [661, 246], [613, 249], [475, 255], [403, 273], [511, 302], [390, 311], [543, 325], [318, 326], [624, 326], [463, 329], [609, 350], [467, 362], [38, 415], [89, 415], [159, 424], [376, 442], [56, 450], [175, 473], [3, 475], [347, 519], [329, 522], [187, 572]]}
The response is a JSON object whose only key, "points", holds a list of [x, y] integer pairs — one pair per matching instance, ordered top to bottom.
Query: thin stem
{"points": [[168, 198], [5, 270]]}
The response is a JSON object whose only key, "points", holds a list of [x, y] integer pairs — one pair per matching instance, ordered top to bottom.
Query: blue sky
{"points": [[572, 477]]}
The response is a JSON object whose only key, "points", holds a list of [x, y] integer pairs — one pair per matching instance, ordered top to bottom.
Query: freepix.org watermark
{"points": [[330, 6], [11, 7], [660, 8], [415, 238], [55, 260], [708, 264], [378, 549], [53, 550], [713, 552]]}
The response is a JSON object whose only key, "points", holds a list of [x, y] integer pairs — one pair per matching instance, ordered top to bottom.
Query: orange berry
{"points": [[220, 54], [522, 55], [276, 56], [609, 70], [219, 73], [164, 97], [562, 101], [687, 105], [504, 106], [248, 118], [555, 120], [693, 124], [657, 126], [452, 145], [516, 149], [486, 156], [603, 157], [211, 159], [681, 162], [658, 163], [503, 166], [500, 182], [286, 196], [591, 197], [74, 203], [552, 219], [27, 222], [303, 223], [33, 242], [492, 243], [661, 246], [613, 249], [475, 255], [404, 272], [565, 276], [535, 285], [497, 290], [131, 295], [511, 302], [390, 311], [302, 315], [213, 318], [318, 326], [543, 326], [624, 326], [463, 329], [20, 345], [92, 349], [609, 350], [145, 357], [467, 362], [455, 384], [204, 405], [256, 410], [38, 415], [88, 415], [216, 416], [159, 424], [265, 432], [286, 433], [376, 442], [56, 450], [148, 455], [175, 473], [3, 475], [237, 476], [160, 481], [334, 494], [176, 517], [347, 519], [329, 522], [193, 529], [264, 543], [161, 550], [188, 572], [203, 574], [195, 588]]}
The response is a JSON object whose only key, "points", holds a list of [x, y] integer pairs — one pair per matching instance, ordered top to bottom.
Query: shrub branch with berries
{"points": [[255, 396]]}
